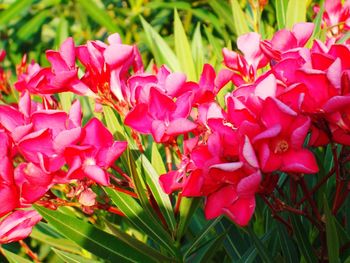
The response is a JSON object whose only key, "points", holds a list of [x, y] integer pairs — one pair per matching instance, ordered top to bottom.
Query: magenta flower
{"points": [[162, 117], [280, 144], [95, 152]]}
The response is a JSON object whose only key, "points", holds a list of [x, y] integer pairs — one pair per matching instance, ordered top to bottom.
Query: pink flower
{"points": [[247, 65], [64, 70], [162, 117], [280, 144], [95, 152], [18, 225]]}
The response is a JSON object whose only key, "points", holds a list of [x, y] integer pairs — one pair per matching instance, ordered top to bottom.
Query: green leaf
{"points": [[171, 5], [222, 9], [15, 10], [281, 10], [296, 12], [100, 16], [239, 19], [318, 22], [33, 25], [62, 32], [344, 38], [215, 44], [160, 49], [183, 49], [198, 49], [66, 100], [113, 124], [157, 160], [162, 199], [187, 208], [137, 216], [331, 234], [91, 238], [197, 241], [303, 242], [59, 243], [235, 243], [138, 245], [287, 245], [263, 252], [251, 253], [204, 254], [13, 258], [72, 258]]}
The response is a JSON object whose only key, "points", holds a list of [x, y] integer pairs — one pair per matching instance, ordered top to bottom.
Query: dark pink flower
{"points": [[95, 152]]}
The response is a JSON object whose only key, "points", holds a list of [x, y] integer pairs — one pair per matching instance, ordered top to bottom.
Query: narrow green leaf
{"points": [[171, 5], [222, 9], [15, 10], [281, 10], [296, 12], [100, 16], [239, 19], [318, 22], [33, 25], [62, 32], [344, 38], [215, 44], [159, 48], [183, 49], [198, 49], [66, 100], [157, 160], [142, 166], [162, 199], [187, 208], [136, 214], [331, 234], [91, 238], [197, 241], [303, 242], [59, 243], [235, 243], [136, 244], [287, 245], [263, 252], [204, 254], [250, 255], [13, 258], [72, 258]]}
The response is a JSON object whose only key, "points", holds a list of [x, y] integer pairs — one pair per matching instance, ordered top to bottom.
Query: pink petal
{"points": [[302, 32], [67, 52], [115, 55], [174, 83], [267, 87], [160, 105], [139, 119], [180, 126], [158, 130], [97, 134], [249, 153], [302, 161], [96, 174], [249, 185], [218, 201], [241, 211], [18, 225]]}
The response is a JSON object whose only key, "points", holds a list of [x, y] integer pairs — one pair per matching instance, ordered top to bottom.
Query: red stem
{"points": [[29, 252]]}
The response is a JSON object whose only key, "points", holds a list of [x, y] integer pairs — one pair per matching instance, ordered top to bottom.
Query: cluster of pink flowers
{"points": [[283, 93]]}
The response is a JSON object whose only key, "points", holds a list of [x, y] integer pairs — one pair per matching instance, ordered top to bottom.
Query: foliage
{"points": [[118, 210]]}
